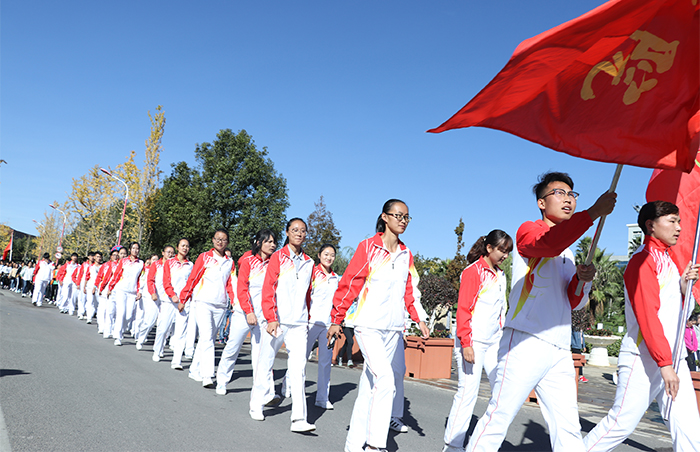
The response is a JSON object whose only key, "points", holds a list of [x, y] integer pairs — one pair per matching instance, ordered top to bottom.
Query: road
{"points": [[65, 388]]}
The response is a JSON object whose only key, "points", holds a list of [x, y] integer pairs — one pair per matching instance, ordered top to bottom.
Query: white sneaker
{"points": [[80, 317], [89, 321], [117, 342], [139, 346], [188, 357], [156, 358], [350, 363], [176, 366], [195, 377], [207, 382], [220, 390], [274, 401], [326, 406], [256, 415], [397, 425], [301, 426], [449, 448], [372, 449]]}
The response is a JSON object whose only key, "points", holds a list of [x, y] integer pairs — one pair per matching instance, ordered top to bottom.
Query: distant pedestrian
{"points": [[43, 271], [125, 285]]}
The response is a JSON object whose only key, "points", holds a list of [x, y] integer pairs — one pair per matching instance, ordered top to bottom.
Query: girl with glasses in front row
{"points": [[379, 321]]}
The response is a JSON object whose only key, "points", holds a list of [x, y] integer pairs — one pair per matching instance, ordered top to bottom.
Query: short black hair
{"points": [[547, 178], [653, 210], [223, 231]]}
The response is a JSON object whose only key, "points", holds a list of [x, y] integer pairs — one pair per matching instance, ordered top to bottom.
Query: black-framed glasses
{"points": [[561, 193], [401, 217]]}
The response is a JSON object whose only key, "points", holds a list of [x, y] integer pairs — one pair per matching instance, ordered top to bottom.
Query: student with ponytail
{"points": [[480, 316], [379, 321]]}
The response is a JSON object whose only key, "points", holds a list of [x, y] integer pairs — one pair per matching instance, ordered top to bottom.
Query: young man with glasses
{"points": [[535, 348]]}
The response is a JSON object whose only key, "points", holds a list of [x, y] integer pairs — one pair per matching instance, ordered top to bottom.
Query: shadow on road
{"points": [[10, 372]]}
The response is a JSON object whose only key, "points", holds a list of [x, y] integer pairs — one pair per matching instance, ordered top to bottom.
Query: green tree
{"points": [[243, 191], [180, 211], [320, 230], [342, 259], [459, 263], [430, 266], [607, 300]]}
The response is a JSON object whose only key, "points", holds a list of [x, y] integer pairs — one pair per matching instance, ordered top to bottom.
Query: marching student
{"points": [[176, 270], [43, 271], [212, 277], [80, 280], [324, 282], [125, 285], [89, 290], [654, 291], [66, 295], [155, 296], [106, 303], [285, 311], [480, 315], [247, 316], [379, 319], [538, 322]]}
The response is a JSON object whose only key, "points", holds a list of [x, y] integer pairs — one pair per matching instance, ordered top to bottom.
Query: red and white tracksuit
{"points": [[175, 274], [251, 274], [212, 277], [41, 278], [79, 280], [385, 283], [125, 285], [67, 291], [90, 297], [283, 300], [653, 302], [105, 304], [151, 308], [480, 317], [535, 350]]}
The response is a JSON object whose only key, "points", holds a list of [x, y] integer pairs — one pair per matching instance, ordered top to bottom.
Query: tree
{"points": [[243, 192], [180, 211], [320, 230], [342, 259], [459, 263], [430, 266], [607, 300]]}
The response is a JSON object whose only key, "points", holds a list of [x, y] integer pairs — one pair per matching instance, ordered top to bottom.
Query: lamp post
{"points": [[126, 197], [63, 229], [41, 247]]}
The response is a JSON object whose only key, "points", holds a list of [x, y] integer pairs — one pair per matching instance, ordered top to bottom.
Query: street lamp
{"points": [[126, 197], [60, 241]]}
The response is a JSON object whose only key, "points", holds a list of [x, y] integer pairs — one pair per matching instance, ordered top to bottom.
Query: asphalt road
{"points": [[65, 388]]}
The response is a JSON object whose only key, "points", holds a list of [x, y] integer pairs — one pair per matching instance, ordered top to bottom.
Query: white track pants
{"points": [[39, 291], [66, 294], [82, 299], [90, 304], [125, 304], [110, 313], [169, 316], [149, 317], [208, 318], [191, 332], [237, 334], [294, 338], [325, 356], [485, 357], [526, 362], [398, 365], [639, 383], [372, 412]]}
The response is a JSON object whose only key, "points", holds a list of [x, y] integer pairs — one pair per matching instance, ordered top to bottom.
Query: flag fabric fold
{"points": [[619, 84], [684, 191], [8, 248]]}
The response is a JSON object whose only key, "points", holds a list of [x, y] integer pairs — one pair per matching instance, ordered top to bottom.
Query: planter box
{"points": [[428, 358], [696, 384]]}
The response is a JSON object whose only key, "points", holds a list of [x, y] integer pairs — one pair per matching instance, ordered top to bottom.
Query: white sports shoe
{"points": [[117, 342], [139, 346], [156, 358], [176, 366], [195, 377], [207, 382], [220, 390], [326, 406], [256, 415], [397, 425], [301, 426]]}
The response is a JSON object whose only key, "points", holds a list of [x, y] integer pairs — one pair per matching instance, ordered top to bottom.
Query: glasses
{"points": [[560, 193], [401, 217], [298, 231], [220, 240]]}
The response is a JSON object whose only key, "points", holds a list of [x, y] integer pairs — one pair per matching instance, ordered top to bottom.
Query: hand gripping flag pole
{"points": [[599, 230]]}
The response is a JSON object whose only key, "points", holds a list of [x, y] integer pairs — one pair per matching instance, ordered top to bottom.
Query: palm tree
{"points": [[607, 300]]}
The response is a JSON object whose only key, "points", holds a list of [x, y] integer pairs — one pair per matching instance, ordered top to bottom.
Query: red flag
{"points": [[618, 84], [684, 191], [8, 248]]}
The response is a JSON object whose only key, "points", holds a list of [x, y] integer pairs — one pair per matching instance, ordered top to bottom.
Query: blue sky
{"points": [[341, 94]]}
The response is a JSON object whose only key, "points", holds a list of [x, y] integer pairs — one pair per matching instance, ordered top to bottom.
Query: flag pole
{"points": [[599, 230], [688, 307]]}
